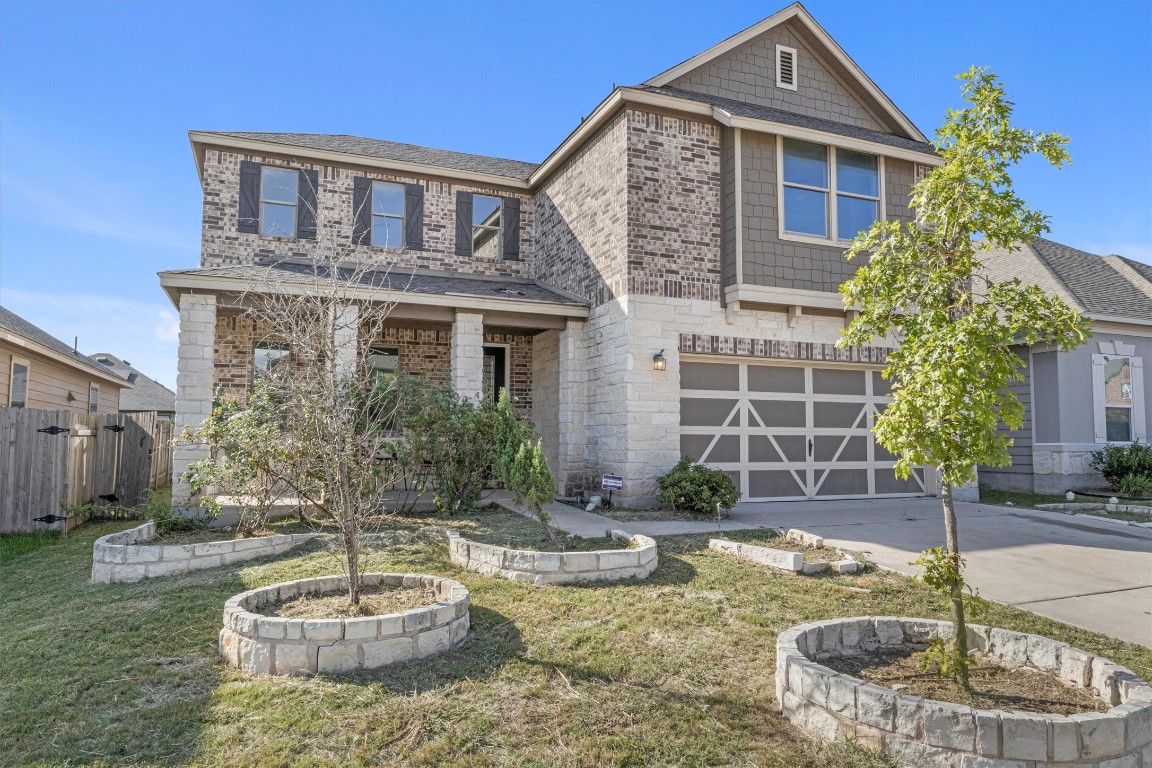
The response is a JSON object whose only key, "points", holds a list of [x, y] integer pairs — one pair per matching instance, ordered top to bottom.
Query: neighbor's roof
{"points": [[757, 112], [390, 150], [419, 281], [1099, 286], [58, 350], [146, 394]]}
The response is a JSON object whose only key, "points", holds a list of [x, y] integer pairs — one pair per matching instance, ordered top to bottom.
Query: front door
{"points": [[495, 371]]}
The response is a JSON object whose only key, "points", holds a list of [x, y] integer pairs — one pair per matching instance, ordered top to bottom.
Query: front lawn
{"points": [[676, 670]]}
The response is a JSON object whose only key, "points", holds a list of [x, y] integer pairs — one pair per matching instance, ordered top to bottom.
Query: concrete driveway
{"points": [[1095, 575]]}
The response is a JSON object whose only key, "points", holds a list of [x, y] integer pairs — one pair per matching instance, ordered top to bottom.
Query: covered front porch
{"points": [[477, 334]]}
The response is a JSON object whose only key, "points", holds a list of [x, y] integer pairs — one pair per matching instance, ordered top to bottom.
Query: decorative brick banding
{"points": [[119, 556], [782, 559], [557, 567], [282, 646], [921, 732]]}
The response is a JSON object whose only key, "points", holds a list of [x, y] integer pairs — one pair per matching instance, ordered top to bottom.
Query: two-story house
{"points": [[664, 283]]}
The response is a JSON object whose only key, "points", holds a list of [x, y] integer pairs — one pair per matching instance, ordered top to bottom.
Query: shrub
{"points": [[1116, 462], [1136, 486], [696, 488]]}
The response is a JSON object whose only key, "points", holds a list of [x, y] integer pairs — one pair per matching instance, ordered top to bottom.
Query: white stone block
{"points": [[362, 628], [323, 629], [388, 651], [337, 659], [949, 725]]}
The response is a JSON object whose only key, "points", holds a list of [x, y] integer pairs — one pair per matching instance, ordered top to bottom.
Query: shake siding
{"points": [[49, 383], [1021, 450]]}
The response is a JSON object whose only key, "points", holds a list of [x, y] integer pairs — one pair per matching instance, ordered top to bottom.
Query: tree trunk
{"points": [[352, 550], [959, 627]]}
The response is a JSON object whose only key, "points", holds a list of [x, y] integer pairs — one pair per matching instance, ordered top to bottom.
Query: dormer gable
{"points": [[789, 62]]}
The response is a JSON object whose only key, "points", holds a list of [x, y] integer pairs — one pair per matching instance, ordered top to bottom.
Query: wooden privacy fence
{"points": [[53, 460]]}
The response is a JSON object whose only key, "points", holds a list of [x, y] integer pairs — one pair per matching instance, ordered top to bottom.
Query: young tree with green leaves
{"points": [[924, 287]]}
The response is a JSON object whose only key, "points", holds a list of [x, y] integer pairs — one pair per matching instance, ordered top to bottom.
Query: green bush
{"points": [[1116, 462], [1136, 486], [691, 487]]}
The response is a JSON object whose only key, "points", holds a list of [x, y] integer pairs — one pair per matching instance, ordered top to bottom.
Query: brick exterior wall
{"points": [[748, 74], [223, 245]]}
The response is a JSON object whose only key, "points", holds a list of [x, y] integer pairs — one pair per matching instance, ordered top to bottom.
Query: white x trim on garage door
{"points": [[790, 431]]}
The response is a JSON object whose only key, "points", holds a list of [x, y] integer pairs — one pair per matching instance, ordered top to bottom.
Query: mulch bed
{"points": [[374, 601], [994, 686]]}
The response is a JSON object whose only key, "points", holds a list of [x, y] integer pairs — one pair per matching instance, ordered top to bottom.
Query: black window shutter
{"points": [[306, 205], [361, 210], [249, 215], [414, 217], [463, 223], [510, 227]]}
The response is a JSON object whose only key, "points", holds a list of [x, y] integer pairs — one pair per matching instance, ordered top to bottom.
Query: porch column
{"points": [[346, 333], [468, 354], [193, 387], [572, 404]]}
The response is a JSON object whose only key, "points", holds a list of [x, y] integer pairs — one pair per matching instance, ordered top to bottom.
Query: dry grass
{"points": [[374, 601], [674, 671]]}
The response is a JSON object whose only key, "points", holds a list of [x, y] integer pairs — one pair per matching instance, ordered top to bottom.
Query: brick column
{"points": [[468, 354], [193, 386], [570, 470]]}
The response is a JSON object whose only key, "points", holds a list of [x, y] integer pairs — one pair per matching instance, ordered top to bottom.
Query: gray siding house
{"points": [[663, 284], [1081, 400]]}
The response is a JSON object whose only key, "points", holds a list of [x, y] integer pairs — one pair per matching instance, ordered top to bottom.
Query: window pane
{"points": [[805, 163], [856, 173], [279, 185], [387, 198], [485, 211], [805, 211], [853, 215], [279, 220], [387, 232], [269, 356], [383, 361], [1117, 380], [19, 391], [93, 399], [1119, 424]]}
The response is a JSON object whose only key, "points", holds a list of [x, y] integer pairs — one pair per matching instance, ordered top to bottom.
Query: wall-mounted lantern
{"points": [[658, 361]]}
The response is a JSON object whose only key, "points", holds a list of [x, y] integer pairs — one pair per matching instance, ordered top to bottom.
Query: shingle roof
{"points": [[758, 112], [391, 150], [1145, 270], [402, 280], [1099, 287], [13, 323], [147, 394]]}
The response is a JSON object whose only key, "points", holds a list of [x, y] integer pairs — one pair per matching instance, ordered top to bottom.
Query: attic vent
{"points": [[785, 67], [922, 172], [509, 291]]}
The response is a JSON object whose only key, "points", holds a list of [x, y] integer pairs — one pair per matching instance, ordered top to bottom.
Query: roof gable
{"points": [[742, 68], [21, 328]]}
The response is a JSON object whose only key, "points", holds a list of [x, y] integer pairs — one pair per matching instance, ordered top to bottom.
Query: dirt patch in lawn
{"points": [[374, 601], [994, 686]]}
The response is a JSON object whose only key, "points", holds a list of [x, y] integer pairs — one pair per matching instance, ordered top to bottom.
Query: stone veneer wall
{"points": [[223, 245], [122, 557], [557, 567], [282, 646], [921, 732]]}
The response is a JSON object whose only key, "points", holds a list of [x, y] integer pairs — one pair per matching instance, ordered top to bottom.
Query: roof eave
{"points": [[43, 351]]}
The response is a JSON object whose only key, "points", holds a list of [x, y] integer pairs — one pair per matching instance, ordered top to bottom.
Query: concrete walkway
{"points": [[1088, 573]]}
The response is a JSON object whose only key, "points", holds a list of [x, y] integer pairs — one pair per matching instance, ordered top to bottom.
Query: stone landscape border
{"points": [[119, 557], [782, 559], [544, 568], [283, 646], [921, 732]]}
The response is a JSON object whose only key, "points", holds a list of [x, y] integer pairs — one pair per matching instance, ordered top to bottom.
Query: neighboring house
{"points": [[664, 283], [40, 371], [146, 393], [1078, 401]]}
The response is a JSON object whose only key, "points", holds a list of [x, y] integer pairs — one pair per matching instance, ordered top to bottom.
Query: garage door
{"points": [[790, 431]]}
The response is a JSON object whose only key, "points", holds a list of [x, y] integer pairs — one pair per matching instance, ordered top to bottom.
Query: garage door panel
{"points": [[713, 376], [775, 378], [836, 381], [880, 386], [705, 412], [781, 413], [837, 415], [695, 445], [839, 448], [725, 451], [843, 482], [887, 482], [775, 484]]}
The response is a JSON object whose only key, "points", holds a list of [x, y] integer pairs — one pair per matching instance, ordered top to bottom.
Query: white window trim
{"points": [[780, 51], [831, 192], [294, 205], [373, 215], [12, 378], [93, 404], [1100, 424]]}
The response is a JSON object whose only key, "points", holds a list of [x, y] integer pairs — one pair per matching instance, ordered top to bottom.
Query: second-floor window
{"points": [[279, 192], [829, 193], [276, 201], [387, 214], [485, 225], [93, 398]]}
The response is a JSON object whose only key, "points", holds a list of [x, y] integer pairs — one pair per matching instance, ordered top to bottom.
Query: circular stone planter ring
{"points": [[282, 646], [922, 732]]}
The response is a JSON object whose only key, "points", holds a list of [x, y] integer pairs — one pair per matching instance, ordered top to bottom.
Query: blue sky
{"points": [[98, 190]]}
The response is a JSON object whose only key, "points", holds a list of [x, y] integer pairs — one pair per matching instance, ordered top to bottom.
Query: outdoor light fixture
{"points": [[658, 361]]}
